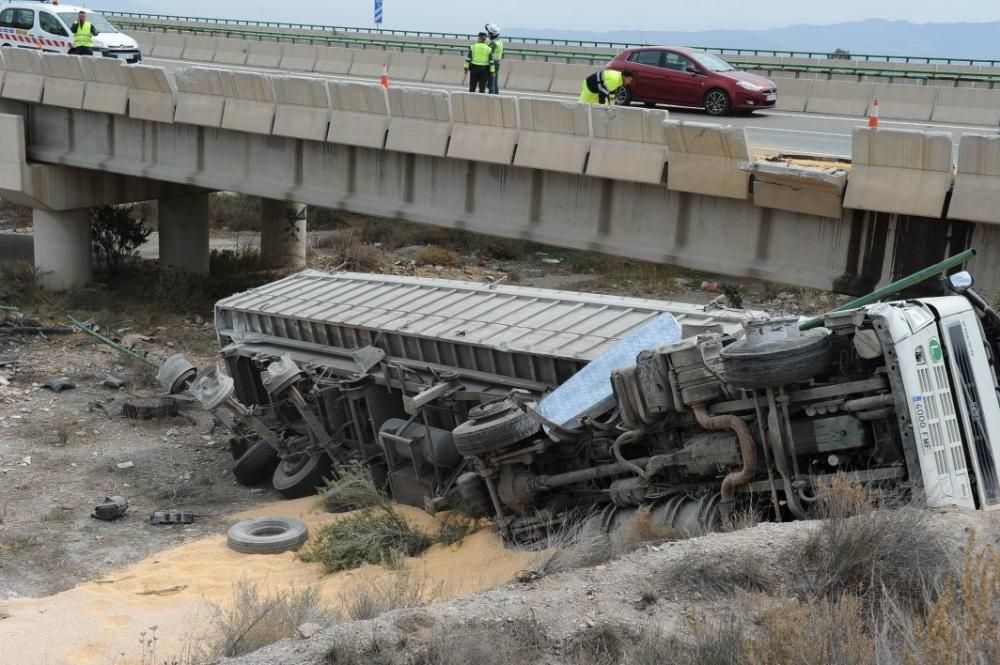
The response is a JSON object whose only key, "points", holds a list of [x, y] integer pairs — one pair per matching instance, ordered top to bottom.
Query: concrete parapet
{"points": [[146, 41], [168, 45], [199, 48], [231, 51], [264, 54], [299, 57], [333, 60], [369, 63], [408, 66], [445, 69], [528, 76], [567, 79], [25, 80], [65, 81], [106, 90], [793, 94], [150, 95], [839, 97], [200, 98], [905, 102], [249, 105], [971, 106], [303, 108], [360, 114], [419, 121], [485, 127], [554, 135], [628, 144], [708, 159], [900, 171], [977, 186], [805, 189]]}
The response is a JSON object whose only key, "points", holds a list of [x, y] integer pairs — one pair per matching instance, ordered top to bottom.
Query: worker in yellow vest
{"points": [[493, 30], [83, 35], [479, 64], [600, 87]]}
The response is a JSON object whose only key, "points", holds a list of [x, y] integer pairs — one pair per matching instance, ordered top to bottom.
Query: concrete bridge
{"points": [[81, 132]]}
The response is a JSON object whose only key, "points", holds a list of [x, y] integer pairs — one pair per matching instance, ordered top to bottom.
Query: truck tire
{"points": [[777, 363], [492, 427], [255, 465], [300, 475], [474, 497], [268, 535]]}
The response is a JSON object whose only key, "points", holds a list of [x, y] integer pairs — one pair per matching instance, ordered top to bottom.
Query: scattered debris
{"points": [[7, 360], [113, 382], [59, 385], [148, 408], [125, 465], [111, 508], [171, 517], [169, 591], [307, 630]]}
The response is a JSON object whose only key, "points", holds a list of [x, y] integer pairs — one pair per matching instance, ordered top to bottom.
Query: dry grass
{"points": [[234, 212], [352, 252], [436, 255], [352, 488], [456, 526], [375, 535], [717, 576], [398, 589], [254, 618], [515, 641]]}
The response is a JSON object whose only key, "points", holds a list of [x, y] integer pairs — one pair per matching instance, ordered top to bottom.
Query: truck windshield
{"points": [[99, 22]]}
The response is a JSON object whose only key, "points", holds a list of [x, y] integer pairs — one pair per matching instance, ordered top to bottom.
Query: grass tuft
{"points": [[376, 536]]}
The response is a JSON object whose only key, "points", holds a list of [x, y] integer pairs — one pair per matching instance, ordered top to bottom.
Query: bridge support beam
{"points": [[183, 223], [282, 234], [62, 248]]}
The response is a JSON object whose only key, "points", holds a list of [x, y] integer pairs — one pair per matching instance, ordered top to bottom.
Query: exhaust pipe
{"points": [[748, 451]]}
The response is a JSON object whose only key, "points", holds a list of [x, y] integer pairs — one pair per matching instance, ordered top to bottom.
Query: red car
{"points": [[688, 77]]}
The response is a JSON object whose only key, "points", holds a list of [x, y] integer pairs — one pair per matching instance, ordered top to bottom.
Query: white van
{"points": [[44, 25]]}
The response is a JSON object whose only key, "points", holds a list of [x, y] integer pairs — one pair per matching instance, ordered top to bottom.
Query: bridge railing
{"points": [[580, 43]]}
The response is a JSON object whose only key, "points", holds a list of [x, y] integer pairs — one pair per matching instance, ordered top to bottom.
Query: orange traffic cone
{"points": [[385, 76], [873, 118]]}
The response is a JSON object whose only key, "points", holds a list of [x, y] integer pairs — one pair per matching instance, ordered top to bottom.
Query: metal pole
{"points": [[895, 287]]}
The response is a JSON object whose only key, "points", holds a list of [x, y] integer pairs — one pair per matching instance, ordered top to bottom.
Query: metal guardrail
{"points": [[423, 47], [821, 55]]}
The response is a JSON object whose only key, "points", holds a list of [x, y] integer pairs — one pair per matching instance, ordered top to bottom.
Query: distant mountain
{"points": [[873, 36]]}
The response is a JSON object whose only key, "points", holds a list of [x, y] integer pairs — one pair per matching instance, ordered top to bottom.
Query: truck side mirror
{"points": [[961, 281]]}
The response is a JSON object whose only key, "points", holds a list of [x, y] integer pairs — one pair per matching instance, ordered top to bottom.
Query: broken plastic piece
{"points": [[112, 381], [59, 385], [111, 508], [171, 517]]}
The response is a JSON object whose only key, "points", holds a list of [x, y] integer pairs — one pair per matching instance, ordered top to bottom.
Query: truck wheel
{"points": [[777, 363], [492, 427], [256, 464], [300, 475], [474, 497], [268, 535]]}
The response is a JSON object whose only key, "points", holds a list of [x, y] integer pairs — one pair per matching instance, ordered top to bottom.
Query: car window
{"points": [[24, 19], [51, 24], [651, 58], [677, 62], [714, 63]]}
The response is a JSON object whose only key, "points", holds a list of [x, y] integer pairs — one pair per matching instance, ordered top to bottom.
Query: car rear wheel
{"points": [[623, 96], [717, 102]]}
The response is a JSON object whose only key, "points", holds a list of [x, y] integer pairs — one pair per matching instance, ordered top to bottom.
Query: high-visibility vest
{"points": [[84, 36], [497, 46], [480, 54], [613, 80]]}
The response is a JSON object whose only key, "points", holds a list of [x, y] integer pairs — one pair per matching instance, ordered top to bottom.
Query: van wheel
{"points": [[717, 102]]}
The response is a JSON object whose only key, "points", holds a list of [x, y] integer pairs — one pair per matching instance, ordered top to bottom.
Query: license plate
{"points": [[770, 98]]}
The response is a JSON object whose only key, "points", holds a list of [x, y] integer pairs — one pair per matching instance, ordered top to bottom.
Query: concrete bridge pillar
{"points": [[183, 223], [282, 234], [62, 248]]}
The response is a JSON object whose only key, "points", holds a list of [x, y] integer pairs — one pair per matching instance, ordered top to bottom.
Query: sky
{"points": [[588, 15]]}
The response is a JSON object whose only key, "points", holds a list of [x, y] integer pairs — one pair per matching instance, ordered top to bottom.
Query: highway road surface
{"points": [[769, 131]]}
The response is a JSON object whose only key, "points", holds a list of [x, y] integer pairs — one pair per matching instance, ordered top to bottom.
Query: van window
{"points": [[7, 18], [24, 19], [51, 24]]}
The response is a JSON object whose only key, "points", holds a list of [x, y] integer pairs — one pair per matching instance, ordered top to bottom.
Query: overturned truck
{"points": [[534, 406]]}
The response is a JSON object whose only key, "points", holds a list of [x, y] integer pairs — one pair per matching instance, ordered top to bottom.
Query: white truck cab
{"points": [[45, 25]]}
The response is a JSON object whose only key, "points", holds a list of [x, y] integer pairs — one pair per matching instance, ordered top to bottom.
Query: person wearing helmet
{"points": [[496, 44], [479, 64], [599, 87]]}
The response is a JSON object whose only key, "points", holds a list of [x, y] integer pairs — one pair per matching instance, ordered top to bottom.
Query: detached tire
{"points": [[492, 427], [256, 464], [299, 476], [268, 535]]}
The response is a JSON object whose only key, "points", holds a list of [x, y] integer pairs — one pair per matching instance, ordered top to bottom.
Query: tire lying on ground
{"points": [[492, 427], [256, 464], [300, 475], [268, 535]]}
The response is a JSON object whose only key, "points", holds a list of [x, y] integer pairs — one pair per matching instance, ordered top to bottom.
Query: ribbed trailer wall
{"points": [[524, 333]]}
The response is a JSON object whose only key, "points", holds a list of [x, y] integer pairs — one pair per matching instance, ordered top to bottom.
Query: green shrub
{"points": [[115, 235]]}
